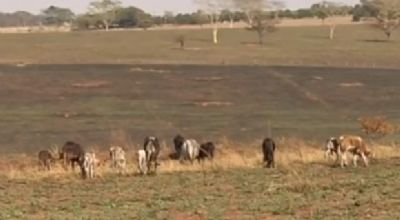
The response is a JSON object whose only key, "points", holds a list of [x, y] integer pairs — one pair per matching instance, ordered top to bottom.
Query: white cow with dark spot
{"points": [[331, 147], [152, 148], [190, 150]]}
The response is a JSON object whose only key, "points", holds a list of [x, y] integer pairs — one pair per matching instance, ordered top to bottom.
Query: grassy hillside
{"points": [[355, 45], [42, 106]]}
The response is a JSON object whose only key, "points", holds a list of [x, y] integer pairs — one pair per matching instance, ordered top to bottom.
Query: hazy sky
{"points": [[151, 6]]}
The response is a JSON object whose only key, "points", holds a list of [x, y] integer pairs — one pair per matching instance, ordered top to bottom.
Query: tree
{"points": [[213, 9], [327, 9], [105, 10], [386, 13], [261, 15], [57, 16], [132, 17], [168, 17], [264, 22]]}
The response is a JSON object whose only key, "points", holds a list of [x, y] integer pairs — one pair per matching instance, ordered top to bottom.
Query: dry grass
{"points": [[291, 155]]}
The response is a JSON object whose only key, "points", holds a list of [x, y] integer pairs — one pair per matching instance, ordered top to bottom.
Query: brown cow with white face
{"points": [[354, 145]]}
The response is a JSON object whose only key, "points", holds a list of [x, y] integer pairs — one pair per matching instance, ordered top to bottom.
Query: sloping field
{"points": [[354, 46], [98, 105]]}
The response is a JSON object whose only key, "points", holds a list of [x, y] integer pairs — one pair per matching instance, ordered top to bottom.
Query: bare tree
{"points": [[213, 9], [105, 10], [326, 10], [387, 14], [261, 15]]}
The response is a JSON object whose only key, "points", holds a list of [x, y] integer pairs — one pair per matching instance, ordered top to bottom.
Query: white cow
{"points": [[190, 150], [118, 159], [142, 162], [89, 165]]}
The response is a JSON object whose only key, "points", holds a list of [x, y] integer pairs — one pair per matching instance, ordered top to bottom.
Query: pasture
{"points": [[354, 46], [100, 89], [99, 105]]}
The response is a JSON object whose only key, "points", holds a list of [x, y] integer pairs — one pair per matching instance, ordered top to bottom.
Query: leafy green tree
{"points": [[105, 11], [386, 13], [57, 16], [132, 17]]}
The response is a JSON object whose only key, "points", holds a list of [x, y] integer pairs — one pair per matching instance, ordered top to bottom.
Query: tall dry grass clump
{"points": [[291, 155]]}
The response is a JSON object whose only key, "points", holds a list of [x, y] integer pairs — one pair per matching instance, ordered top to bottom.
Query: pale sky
{"points": [[150, 6]]}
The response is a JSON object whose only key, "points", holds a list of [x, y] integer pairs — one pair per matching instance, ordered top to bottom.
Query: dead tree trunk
{"points": [[332, 32]]}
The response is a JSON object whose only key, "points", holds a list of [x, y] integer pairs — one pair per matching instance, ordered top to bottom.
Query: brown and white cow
{"points": [[354, 145]]}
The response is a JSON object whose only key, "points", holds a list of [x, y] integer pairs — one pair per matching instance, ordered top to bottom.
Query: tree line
{"points": [[261, 15]]}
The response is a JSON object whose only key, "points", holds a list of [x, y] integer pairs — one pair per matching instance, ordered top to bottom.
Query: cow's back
{"points": [[352, 143], [268, 146], [191, 148], [72, 151]]}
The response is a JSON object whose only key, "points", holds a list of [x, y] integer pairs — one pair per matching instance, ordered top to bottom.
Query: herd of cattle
{"points": [[189, 150]]}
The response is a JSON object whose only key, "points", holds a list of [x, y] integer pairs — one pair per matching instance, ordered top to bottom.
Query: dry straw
{"points": [[291, 153]]}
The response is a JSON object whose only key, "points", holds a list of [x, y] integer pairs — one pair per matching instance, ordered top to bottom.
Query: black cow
{"points": [[178, 143], [152, 148], [268, 148], [206, 151], [72, 153], [45, 159]]}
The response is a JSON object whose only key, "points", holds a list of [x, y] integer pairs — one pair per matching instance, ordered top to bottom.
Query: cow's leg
{"points": [[327, 154], [337, 158], [355, 158], [343, 159], [365, 159], [65, 163], [48, 165], [73, 165], [40, 167]]}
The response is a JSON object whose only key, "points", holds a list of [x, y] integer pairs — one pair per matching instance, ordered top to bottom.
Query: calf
{"points": [[178, 142], [354, 145], [331, 147], [152, 148], [268, 149], [190, 150], [206, 151], [72, 153], [45, 159], [118, 159], [142, 162], [89, 165]]}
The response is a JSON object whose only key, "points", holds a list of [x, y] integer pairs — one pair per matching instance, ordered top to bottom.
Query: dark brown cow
{"points": [[178, 143], [268, 149], [206, 151], [72, 153], [45, 159]]}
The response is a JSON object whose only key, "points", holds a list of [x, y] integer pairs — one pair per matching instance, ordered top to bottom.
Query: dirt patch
{"points": [[139, 69], [318, 78], [208, 79], [91, 84], [351, 84], [213, 103], [186, 216]]}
